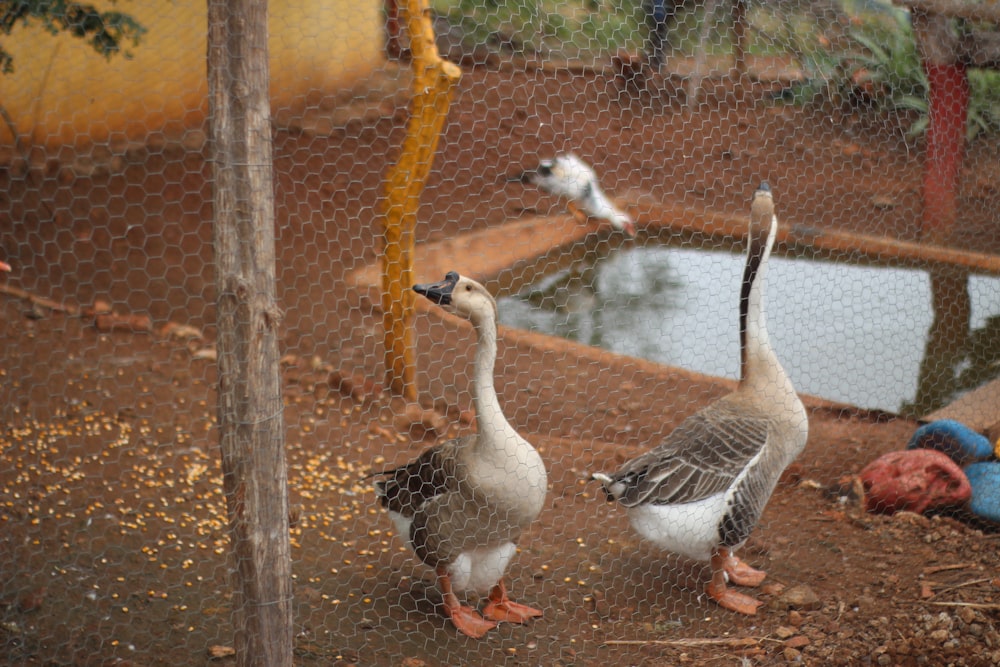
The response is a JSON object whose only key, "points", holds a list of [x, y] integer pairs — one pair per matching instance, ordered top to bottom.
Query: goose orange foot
{"points": [[725, 564], [739, 572], [733, 600], [501, 608], [466, 619]]}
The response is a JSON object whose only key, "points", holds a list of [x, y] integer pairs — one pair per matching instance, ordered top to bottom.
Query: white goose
{"points": [[569, 176], [701, 491], [463, 504]]}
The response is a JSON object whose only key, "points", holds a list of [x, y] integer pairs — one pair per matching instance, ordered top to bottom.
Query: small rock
{"points": [[884, 201], [100, 307], [108, 322], [180, 331], [205, 354], [772, 588], [798, 597], [866, 603], [966, 614], [795, 619], [784, 632], [939, 636], [798, 641], [218, 652], [792, 654]]}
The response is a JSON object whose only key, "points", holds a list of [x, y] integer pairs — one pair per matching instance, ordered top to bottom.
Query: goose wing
{"points": [[700, 458], [406, 489]]}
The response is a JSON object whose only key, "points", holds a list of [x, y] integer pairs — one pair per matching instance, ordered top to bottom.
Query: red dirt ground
{"points": [[113, 541]]}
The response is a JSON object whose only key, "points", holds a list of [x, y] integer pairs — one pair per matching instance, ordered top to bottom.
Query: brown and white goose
{"points": [[701, 491], [463, 504]]}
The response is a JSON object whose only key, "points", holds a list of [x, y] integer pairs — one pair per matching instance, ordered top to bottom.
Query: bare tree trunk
{"points": [[250, 404]]}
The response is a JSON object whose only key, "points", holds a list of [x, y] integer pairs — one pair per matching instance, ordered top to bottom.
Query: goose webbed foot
{"points": [[722, 563], [739, 572], [733, 600], [501, 608], [466, 619]]}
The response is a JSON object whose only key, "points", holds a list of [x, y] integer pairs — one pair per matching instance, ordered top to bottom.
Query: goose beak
{"points": [[762, 204], [4, 266], [440, 292]]}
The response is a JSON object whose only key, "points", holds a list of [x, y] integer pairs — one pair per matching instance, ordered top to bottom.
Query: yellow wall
{"points": [[62, 91]]}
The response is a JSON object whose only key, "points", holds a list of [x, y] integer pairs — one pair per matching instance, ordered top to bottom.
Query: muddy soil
{"points": [[113, 542]]}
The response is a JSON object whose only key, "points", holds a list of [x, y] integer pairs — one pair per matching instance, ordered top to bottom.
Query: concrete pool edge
{"points": [[489, 256]]}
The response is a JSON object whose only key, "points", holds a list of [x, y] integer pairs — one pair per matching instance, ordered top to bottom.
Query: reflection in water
{"points": [[848, 333], [946, 340]]}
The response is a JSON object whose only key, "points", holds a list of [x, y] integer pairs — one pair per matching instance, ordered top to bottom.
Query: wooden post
{"points": [[939, 48], [940, 51], [433, 82], [251, 427]]}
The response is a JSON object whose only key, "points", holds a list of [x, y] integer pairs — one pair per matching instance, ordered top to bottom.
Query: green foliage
{"points": [[547, 26], [104, 31], [875, 65], [885, 65], [877, 68], [894, 72], [984, 105]]}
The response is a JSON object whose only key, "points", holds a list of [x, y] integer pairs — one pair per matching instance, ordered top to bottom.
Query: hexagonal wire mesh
{"points": [[114, 538]]}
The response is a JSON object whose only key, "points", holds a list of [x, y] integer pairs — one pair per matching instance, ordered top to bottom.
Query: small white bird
{"points": [[570, 177]]}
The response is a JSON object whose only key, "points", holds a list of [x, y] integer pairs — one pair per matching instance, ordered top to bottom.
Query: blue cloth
{"points": [[955, 439]]}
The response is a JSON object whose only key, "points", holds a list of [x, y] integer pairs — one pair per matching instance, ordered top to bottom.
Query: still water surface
{"points": [[847, 333]]}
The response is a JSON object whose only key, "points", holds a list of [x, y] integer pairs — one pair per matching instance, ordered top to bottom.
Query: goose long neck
{"points": [[757, 357], [484, 393]]}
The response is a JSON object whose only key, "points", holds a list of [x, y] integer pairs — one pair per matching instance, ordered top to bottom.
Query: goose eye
{"points": [[545, 170]]}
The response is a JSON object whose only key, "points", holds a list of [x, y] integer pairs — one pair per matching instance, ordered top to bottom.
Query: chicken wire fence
{"points": [[114, 540]]}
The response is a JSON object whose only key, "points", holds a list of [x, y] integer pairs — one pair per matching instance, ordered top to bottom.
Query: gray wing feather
{"points": [[700, 458], [407, 488]]}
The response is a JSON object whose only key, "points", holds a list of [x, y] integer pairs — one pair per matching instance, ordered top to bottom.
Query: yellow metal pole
{"points": [[434, 80]]}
